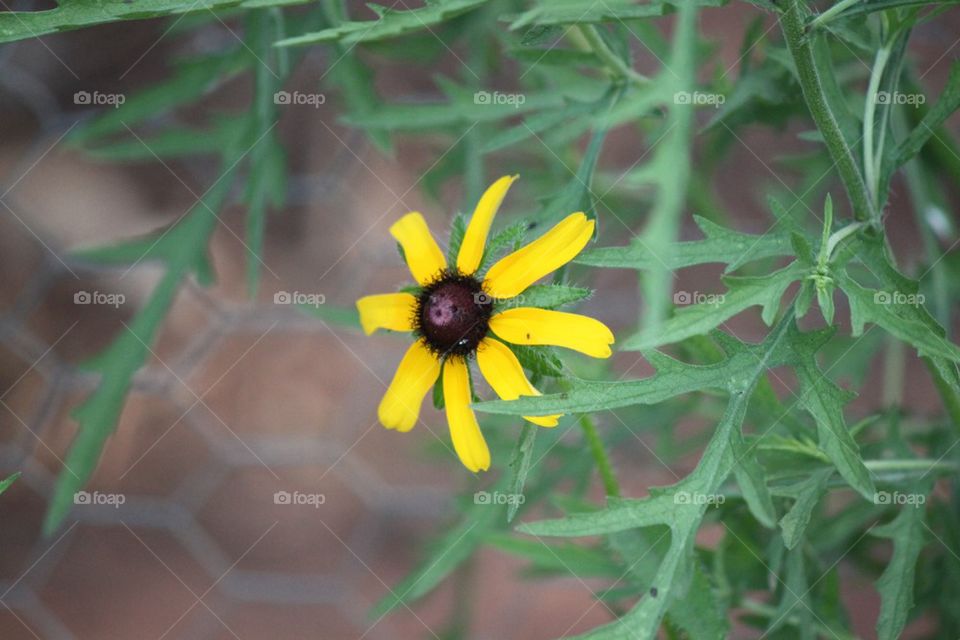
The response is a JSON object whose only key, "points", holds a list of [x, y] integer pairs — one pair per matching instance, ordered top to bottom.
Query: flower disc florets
{"points": [[453, 314]]}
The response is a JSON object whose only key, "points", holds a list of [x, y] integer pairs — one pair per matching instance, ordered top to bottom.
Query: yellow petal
{"points": [[558, 246], [420, 249], [471, 250], [387, 311], [528, 325], [502, 370], [417, 372], [468, 442]]}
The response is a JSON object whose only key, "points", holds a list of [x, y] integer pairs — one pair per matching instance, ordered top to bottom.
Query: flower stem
{"points": [[813, 94], [610, 484]]}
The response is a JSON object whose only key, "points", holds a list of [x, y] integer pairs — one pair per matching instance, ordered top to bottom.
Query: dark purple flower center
{"points": [[453, 313]]}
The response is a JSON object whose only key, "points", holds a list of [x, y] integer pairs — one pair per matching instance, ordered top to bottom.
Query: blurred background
{"points": [[241, 399]]}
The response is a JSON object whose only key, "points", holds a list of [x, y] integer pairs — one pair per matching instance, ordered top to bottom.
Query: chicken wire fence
{"points": [[220, 587]]}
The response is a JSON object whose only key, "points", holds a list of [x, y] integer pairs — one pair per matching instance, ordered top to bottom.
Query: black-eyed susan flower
{"points": [[453, 315]]}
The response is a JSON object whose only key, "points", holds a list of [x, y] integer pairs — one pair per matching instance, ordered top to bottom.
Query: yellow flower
{"points": [[453, 317]]}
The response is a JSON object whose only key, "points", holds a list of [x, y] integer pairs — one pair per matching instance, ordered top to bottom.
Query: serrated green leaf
{"points": [[551, 12], [390, 24], [17, 25], [504, 241], [719, 245], [744, 292], [547, 296], [824, 401], [520, 465], [807, 493], [678, 506], [565, 559], [896, 583]]}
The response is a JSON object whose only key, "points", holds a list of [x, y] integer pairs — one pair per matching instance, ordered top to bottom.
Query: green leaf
{"points": [[547, 12], [390, 23], [17, 25], [191, 79], [946, 105], [462, 110], [172, 143], [267, 158], [458, 228], [504, 241], [185, 245], [719, 245], [744, 292], [546, 296], [347, 317], [907, 320], [541, 361], [824, 401], [520, 465], [5, 484], [807, 493], [679, 506], [453, 549], [563, 559], [896, 583]]}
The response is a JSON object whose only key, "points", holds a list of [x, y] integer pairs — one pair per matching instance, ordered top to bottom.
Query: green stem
{"points": [[831, 13], [802, 53], [614, 62], [871, 164], [951, 401], [911, 464], [610, 484]]}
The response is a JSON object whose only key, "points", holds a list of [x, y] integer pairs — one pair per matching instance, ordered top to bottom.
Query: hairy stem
{"points": [[813, 94], [610, 484]]}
